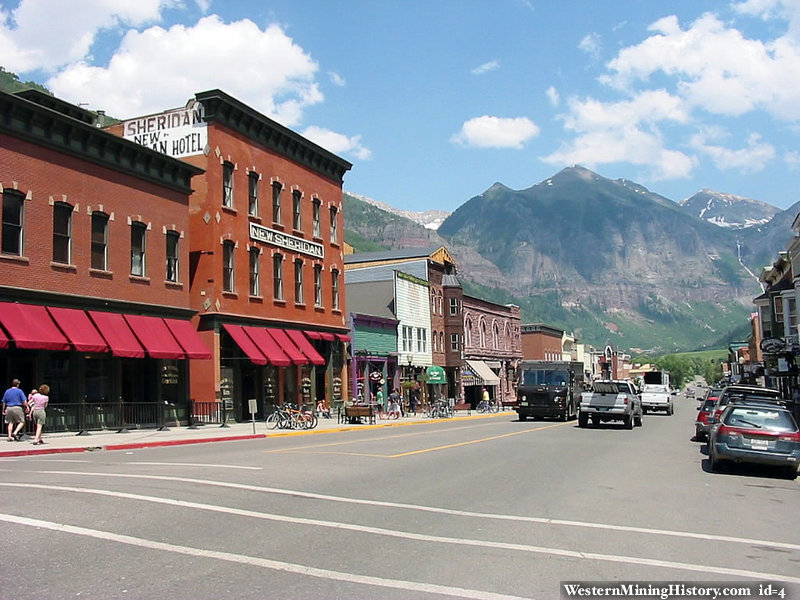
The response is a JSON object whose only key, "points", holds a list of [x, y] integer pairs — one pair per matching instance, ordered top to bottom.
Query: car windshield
{"points": [[544, 377], [708, 405], [756, 418]]}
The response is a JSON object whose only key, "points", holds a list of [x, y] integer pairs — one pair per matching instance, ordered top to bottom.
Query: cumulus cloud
{"points": [[48, 34], [486, 67], [715, 67], [156, 68], [626, 131], [496, 132], [337, 143], [753, 157]]}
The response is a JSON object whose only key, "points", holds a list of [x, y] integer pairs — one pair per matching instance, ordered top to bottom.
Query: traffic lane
{"points": [[284, 541]]}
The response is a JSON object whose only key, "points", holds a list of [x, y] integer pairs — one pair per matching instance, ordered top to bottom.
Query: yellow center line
{"points": [[478, 441]]}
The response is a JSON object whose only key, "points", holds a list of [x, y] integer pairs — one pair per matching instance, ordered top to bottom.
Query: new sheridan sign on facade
{"points": [[284, 240]]}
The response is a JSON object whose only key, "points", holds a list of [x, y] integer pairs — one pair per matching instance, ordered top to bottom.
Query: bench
{"points": [[463, 406], [354, 414]]}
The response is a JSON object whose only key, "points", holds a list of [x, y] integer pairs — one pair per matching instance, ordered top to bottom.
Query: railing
{"points": [[206, 413], [108, 416]]}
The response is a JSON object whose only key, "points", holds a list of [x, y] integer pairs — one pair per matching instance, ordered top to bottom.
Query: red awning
{"points": [[31, 327], [80, 331], [117, 334], [154, 335], [314, 335], [187, 337], [328, 337], [342, 337], [4, 341], [245, 343], [267, 344], [288, 346], [305, 346]]}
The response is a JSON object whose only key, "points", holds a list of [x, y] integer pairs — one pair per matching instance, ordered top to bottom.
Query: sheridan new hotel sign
{"points": [[177, 133], [284, 240]]}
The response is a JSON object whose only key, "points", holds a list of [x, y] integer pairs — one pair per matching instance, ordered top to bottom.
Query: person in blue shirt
{"points": [[14, 407]]}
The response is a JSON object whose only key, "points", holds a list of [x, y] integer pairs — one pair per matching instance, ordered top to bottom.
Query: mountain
{"points": [[728, 210], [429, 219], [607, 259]]}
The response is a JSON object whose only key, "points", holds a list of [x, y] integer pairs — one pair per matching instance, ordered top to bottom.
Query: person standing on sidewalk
{"points": [[37, 404], [14, 409]]}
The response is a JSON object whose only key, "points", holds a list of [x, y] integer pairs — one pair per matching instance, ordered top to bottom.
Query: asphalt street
{"points": [[469, 508]]}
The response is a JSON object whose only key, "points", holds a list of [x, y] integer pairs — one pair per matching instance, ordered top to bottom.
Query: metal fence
{"points": [[109, 416]]}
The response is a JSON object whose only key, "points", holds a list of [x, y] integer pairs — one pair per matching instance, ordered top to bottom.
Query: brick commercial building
{"points": [[94, 254], [265, 273]]}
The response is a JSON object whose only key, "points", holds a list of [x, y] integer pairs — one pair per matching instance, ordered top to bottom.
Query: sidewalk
{"points": [[149, 438]]}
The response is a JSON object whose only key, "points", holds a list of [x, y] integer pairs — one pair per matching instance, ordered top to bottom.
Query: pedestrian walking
{"points": [[413, 399], [379, 401], [37, 403], [394, 404], [15, 406]]}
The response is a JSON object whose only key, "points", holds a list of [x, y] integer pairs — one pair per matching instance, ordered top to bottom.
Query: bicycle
{"points": [[439, 409]]}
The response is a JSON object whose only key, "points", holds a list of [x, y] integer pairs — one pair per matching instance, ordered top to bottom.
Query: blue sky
{"points": [[435, 100]]}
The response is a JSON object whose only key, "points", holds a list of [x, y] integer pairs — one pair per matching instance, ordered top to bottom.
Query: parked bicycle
{"points": [[439, 409], [288, 417]]}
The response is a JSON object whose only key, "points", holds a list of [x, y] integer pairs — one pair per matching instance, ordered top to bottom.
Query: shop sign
{"points": [[177, 133], [286, 241], [772, 345], [375, 376]]}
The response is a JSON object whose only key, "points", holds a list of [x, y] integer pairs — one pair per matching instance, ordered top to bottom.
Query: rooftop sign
{"points": [[177, 133]]}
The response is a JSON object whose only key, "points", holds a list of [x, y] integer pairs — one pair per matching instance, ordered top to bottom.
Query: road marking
{"points": [[469, 442], [302, 449], [209, 465], [439, 510], [615, 558], [261, 562]]}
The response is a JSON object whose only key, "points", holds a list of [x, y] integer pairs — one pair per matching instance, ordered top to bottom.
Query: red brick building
{"points": [[94, 257], [266, 268], [542, 342]]}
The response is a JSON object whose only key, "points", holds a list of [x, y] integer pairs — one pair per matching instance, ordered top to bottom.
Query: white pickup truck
{"points": [[656, 394], [611, 400]]}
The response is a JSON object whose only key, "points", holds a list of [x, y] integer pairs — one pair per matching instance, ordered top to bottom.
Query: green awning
{"points": [[436, 375]]}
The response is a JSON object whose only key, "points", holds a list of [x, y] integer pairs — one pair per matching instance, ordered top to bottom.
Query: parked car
{"points": [[743, 392], [712, 393], [701, 425], [755, 433]]}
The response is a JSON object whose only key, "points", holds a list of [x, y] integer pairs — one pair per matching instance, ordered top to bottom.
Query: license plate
{"points": [[758, 444]]}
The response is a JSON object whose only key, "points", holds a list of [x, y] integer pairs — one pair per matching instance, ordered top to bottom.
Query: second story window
{"points": [[227, 185], [277, 188], [252, 194], [13, 211], [297, 219], [334, 225], [315, 226], [138, 231], [62, 233], [173, 238], [99, 241], [227, 266], [255, 270], [277, 277], [298, 281], [317, 285], [335, 289], [453, 307], [407, 339], [422, 340], [454, 342]]}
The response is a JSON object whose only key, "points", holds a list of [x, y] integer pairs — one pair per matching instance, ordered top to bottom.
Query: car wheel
{"points": [[671, 410], [644, 411], [523, 417], [583, 420], [637, 420], [628, 421], [714, 462], [791, 472]]}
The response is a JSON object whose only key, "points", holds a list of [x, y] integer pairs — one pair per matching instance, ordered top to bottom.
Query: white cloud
{"points": [[48, 34], [592, 45], [486, 67], [157, 68], [715, 68], [337, 79], [552, 96], [625, 131], [496, 132], [337, 143], [754, 157], [792, 159]]}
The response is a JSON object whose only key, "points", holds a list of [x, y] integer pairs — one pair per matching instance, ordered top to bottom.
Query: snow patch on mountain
{"points": [[429, 219]]}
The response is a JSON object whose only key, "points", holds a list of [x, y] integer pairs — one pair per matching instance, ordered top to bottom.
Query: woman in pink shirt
{"points": [[37, 404]]}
